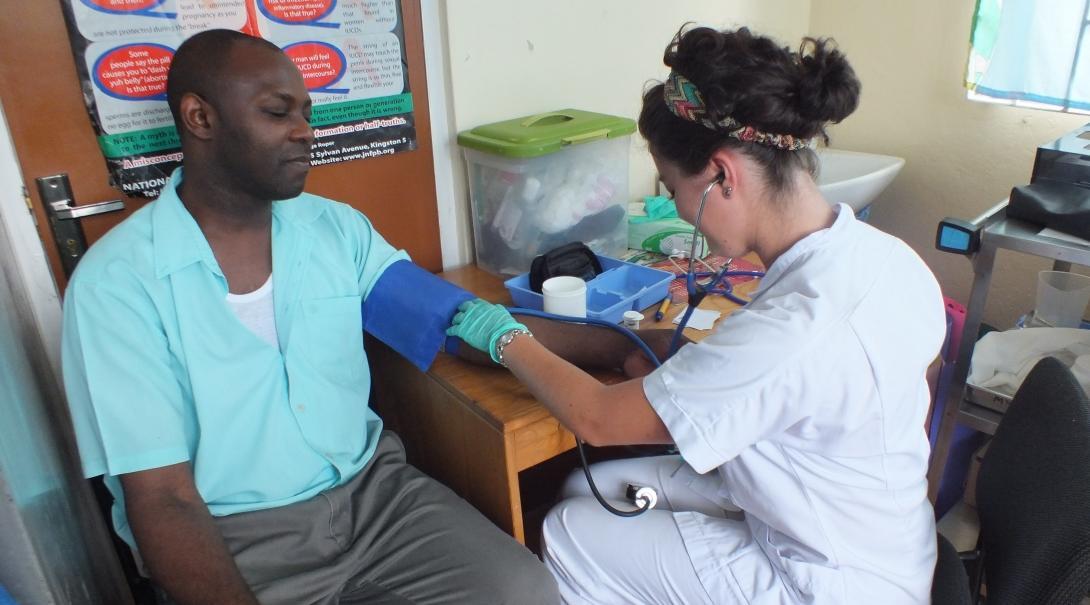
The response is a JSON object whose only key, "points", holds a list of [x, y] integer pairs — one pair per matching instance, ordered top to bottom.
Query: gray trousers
{"points": [[390, 535]]}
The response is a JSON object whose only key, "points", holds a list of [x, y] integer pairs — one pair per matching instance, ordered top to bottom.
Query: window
{"points": [[1031, 53]]}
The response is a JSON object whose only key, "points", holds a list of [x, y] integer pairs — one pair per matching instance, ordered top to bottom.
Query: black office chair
{"points": [[1033, 495], [950, 585]]}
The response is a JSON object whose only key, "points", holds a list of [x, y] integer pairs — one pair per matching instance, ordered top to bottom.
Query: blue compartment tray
{"points": [[618, 288]]}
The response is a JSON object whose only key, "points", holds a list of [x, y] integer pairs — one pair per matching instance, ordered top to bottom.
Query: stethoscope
{"points": [[693, 287], [645, 497]]}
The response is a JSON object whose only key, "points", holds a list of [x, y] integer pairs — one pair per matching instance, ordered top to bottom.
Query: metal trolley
{"points": [[979, 240]]}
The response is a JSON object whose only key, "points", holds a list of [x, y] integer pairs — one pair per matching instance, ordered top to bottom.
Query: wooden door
{"points": [[52, 133]]}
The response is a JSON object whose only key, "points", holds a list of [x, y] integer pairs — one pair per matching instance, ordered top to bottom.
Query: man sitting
{"points": [[214, 365]]}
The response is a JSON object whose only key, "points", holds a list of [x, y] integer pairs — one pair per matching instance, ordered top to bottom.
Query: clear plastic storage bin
{"points": [[542, 181]]}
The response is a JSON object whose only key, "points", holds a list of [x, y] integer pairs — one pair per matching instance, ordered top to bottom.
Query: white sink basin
{"points": [[855, 178]]}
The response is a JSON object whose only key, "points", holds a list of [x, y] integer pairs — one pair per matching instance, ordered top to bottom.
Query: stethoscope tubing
{"points": [[727, 288]]}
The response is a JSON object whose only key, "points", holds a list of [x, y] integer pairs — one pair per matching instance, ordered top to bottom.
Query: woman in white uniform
{"points": [[799, 420]]}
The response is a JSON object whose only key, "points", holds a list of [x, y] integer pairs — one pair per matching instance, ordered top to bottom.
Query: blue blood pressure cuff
{"points": [[410, 310]]}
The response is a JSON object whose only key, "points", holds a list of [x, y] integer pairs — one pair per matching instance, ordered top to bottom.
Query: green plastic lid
{"points": [[544, 133]]}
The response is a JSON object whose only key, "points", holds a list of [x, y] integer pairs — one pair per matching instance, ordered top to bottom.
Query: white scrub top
{"points": [[810, 404]]}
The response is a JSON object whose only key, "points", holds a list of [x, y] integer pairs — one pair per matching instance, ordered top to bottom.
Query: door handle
{"points": [[56, 192], [65, 210], [64, 215]]}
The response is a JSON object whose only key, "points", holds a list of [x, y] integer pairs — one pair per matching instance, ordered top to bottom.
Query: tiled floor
{"points": [[960, 526]]}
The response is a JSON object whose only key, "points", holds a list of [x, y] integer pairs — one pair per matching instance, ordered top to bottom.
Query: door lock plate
{"points": [[64, 215]]}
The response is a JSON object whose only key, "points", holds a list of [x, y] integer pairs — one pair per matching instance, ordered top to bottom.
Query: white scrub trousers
{"points": [[600, 558]]}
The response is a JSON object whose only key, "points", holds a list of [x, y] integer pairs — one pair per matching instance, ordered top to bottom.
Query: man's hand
{"points": [[637, 365], [178, 539]]}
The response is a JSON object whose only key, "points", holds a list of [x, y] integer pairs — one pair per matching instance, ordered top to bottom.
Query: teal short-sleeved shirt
{"points": [[158, 370]]}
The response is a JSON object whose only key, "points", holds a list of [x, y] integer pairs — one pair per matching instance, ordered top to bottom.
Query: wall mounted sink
{"points": [[853, 177]]}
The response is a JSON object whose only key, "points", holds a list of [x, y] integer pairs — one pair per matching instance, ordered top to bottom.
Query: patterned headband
{"points": [[685, 101]]}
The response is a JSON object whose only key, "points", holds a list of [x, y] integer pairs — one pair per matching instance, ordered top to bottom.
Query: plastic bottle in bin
{"points": [[495, 185], [515, 214]]}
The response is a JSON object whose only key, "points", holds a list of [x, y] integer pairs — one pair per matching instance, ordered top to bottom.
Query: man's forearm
{"points": [[579, 344], [582, 345], [616, 414], [185, 553]]}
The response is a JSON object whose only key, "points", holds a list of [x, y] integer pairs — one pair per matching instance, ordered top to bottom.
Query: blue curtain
{"points": [[1032, 50]]}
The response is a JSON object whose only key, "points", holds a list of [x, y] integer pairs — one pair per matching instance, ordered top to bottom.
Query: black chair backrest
{"points": [[1033, 493], [950, 585]]}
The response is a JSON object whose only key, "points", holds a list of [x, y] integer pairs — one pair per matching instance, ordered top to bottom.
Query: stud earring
{"points": [[727, 190]]}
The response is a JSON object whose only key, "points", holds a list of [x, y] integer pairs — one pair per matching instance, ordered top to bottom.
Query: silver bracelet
{"points": [[505, 339]]}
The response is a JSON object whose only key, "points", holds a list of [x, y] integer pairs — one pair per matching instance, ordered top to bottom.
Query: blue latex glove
{"points": [[480, 324]]}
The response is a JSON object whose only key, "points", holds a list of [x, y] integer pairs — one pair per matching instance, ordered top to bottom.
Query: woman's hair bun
{"points": [[749, 80], [828, 90]]}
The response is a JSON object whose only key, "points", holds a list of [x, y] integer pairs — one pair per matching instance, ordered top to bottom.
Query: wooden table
{"points": [[475, 428]]}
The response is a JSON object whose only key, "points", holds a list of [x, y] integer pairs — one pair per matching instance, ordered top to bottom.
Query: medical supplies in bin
{"points": [[541, 181], [618, 288]]}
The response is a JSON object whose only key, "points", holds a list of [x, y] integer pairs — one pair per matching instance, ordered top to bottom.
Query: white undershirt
{"points": [[255, 311]]}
